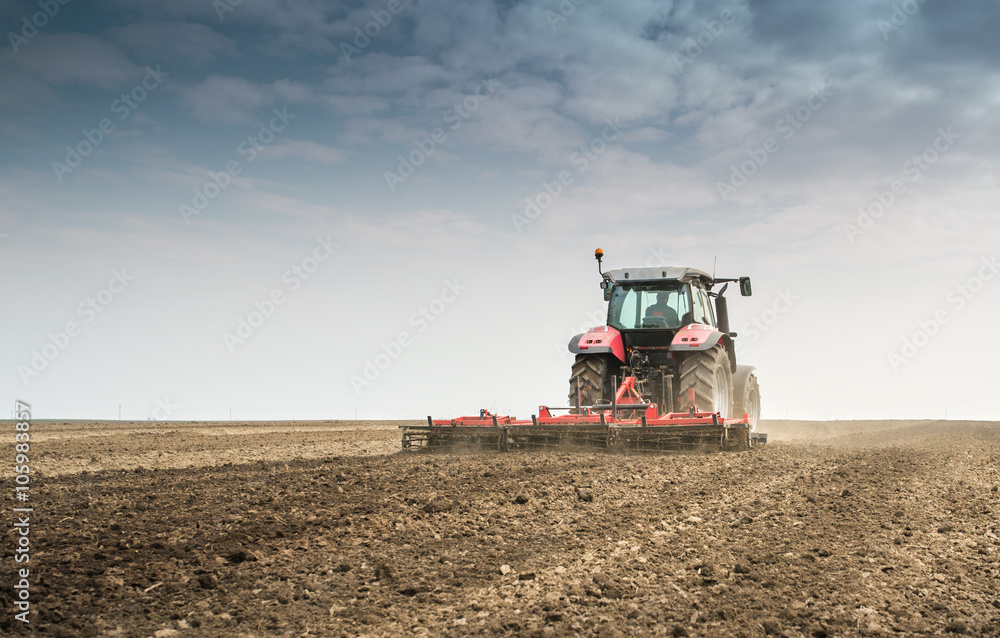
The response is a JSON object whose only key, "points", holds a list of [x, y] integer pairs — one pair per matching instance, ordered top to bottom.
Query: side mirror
{"points": [[745, 289], [607, 290]]}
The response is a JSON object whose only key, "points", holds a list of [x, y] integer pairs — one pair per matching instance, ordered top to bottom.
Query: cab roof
{"points": [[659, 273]]}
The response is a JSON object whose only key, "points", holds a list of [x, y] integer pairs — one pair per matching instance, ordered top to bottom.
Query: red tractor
{"points": [[664, 329], [661, 375]]}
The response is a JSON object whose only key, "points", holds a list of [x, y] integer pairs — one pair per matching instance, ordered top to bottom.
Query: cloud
{"points": [[176, 10], [282, 28], [817, 32], [966, 37], [170, 41], [70, 59], [406, 78], [232, 100], [351, 105], [524, 116], [645, 134], [303, 149], [624, 186], [255, 198], [428, 229]]}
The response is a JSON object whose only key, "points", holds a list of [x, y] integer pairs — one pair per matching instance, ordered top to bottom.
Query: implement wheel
{"points": [[708, 372], [749, 403]]}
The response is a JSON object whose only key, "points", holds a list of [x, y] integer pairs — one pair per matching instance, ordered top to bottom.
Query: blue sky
{"points": [[422, 203]]}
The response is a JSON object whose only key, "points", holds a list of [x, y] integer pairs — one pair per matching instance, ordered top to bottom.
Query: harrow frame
{"points": [[627, 423]]}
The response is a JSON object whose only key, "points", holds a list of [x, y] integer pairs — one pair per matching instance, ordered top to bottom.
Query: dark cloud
{"points": [[814, 30], [944, 35], [168, 41]]}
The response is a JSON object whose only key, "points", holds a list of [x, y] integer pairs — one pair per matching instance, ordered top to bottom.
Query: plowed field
{"points": [[301, 529]]}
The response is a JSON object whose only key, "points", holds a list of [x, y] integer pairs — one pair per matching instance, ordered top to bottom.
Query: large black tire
{"points": [[708, 372], [590, 376], [749, 403]]}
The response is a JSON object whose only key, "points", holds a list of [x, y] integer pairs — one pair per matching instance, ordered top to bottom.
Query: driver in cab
{"points": [[660, 309]]}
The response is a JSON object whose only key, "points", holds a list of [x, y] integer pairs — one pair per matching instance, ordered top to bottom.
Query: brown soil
{"points": [[833, 529]]}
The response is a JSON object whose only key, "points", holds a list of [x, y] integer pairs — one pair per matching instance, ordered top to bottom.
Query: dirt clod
{"points": [[439, 505], [241, 556], [383, 572], [208, 581], [771, 627]]}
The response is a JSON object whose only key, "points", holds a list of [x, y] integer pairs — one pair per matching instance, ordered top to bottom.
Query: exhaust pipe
{"points": [[722, 314]]}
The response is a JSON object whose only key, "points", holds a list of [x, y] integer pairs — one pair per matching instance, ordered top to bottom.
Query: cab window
{"points": [[646, 307], [702, 307]]}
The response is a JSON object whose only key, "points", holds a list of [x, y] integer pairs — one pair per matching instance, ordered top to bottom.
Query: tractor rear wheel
{"points": [[708, 372], [589, 383], [749, 403]]}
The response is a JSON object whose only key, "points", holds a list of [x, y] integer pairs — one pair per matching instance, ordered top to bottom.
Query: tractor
{"points": [[669, 329], [661, 375]]}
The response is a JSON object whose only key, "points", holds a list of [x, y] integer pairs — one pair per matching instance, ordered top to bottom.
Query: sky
{"points": [[293, 209]]}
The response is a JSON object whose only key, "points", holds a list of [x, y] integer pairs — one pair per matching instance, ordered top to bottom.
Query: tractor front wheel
{"points": [[708, 372]]}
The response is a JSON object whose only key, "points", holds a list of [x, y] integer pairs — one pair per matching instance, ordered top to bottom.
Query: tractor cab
{"points": [[658, 305], [648, 306], [652, 307]]}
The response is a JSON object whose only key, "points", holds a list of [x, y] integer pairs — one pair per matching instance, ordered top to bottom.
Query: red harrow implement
{"points": [[627, 423]]}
